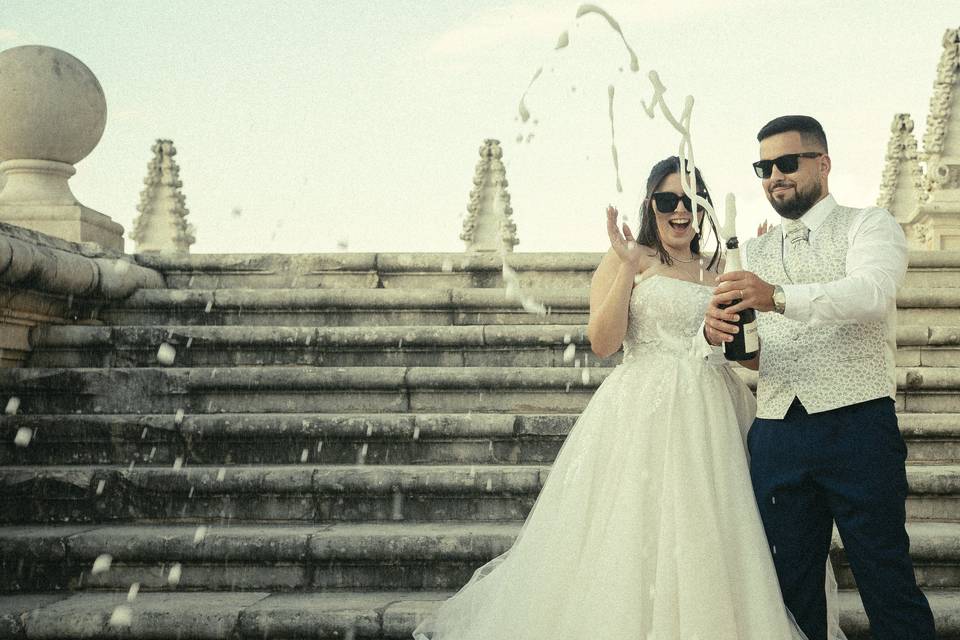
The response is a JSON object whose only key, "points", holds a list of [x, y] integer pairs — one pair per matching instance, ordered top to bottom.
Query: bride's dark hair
{"points": [[648, 234]]}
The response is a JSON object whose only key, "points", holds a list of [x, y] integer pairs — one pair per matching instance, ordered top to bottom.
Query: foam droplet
{"points": [[562, 41], [209, 306], [569, 353], [166, 354], [585, 376], [13, 405], [23, 437], [303, 455], [178, 463], [221, 474], [100, 486], [199, 534], [102, 564], [173, 578], [132, 593], [122, 616]]}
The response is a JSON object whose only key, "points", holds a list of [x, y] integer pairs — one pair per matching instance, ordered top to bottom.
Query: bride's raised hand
{"points": [[622, 241]]}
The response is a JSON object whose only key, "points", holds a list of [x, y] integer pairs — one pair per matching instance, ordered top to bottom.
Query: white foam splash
{"points": [[584, 9], [524, 112], [613, 139], [569, 353], [13, 405]]}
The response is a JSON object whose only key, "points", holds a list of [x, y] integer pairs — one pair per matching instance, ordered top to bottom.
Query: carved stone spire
{"points": [[943, 122], [902, 186], [937, 223], [161, 226], [488, 226]]}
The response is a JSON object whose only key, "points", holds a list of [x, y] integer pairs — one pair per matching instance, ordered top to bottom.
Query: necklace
{"points": [[692, 259]]}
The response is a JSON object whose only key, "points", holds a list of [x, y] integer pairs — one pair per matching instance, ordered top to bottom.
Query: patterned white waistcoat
{"points": [[825, 366]]}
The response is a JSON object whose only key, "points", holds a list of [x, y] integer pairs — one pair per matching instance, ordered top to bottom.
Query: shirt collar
{"points": [[815, 215]]}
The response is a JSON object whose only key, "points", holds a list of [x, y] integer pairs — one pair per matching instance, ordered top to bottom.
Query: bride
{"points": [[647, 527]]}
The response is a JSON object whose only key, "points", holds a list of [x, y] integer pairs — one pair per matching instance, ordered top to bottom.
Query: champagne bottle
{"points": [[746, 342]]}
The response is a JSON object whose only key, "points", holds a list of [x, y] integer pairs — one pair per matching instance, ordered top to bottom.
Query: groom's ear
{"points": [[825, 165]]}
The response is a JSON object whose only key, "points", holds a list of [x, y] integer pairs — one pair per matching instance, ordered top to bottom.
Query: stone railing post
{"points": [[52, 115]]}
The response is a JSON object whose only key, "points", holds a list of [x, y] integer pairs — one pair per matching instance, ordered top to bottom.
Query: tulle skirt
{"points": [[646, 528]]}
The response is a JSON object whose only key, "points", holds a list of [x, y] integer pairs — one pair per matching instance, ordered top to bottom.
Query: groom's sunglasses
{"points": [[786, 164], [667, 202]]}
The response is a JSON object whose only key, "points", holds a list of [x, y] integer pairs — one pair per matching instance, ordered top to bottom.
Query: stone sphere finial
{"points": [[51, 106]]}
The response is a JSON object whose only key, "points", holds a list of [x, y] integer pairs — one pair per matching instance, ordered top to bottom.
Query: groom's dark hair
{"points": [[811, 132]]}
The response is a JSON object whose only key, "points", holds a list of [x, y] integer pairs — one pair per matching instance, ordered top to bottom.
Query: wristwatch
{"points": [[779, 299]]}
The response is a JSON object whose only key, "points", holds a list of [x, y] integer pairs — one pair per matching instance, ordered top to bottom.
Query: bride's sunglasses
{"points": [[786, 164], [667, 201]]}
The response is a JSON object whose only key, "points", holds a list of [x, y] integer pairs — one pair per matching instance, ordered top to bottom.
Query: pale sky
{"points": [[361, 120]]}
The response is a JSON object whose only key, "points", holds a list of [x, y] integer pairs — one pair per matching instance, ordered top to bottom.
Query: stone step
{"points": [[933, 269], [371, 270], [429, 270], [931, 306], [345, 307], [450, 346], [464, 346], [304, 389], [307, 389], [381, 438], [327, 493], [255, 557], [261, 615]]}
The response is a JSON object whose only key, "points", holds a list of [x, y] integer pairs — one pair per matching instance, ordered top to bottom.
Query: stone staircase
{"points": [[340, 440]]}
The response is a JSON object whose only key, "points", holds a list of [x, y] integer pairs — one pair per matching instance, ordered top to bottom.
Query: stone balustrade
{"points": [[47, 281]]}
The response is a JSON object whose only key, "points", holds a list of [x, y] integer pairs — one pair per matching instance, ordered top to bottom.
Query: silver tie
{"points": [[797, 232], [797, 235]]}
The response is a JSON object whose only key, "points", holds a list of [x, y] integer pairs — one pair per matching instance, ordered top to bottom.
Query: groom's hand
{"points": [[752, 290]]}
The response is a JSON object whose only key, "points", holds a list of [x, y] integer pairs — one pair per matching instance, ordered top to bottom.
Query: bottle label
{"points": [[751, 339]]}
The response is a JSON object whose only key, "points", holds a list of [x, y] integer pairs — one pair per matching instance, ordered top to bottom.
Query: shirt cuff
{"points": [[798, 298], [704, 350]]}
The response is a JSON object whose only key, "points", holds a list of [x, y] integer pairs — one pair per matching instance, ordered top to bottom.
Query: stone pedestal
{"points": [[52, 115], [36, 196]]}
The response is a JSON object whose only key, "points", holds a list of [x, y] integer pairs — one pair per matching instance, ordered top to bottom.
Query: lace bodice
{"points": [[665, 316]]}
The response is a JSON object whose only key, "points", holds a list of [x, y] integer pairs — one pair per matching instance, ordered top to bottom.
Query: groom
{"points": [[825, 445]]}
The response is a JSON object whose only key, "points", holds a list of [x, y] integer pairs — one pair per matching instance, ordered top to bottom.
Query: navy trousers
{"points": [[844, 465]]}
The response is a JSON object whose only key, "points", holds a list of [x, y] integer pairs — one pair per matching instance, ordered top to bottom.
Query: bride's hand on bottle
{"points": [[622, 241]]}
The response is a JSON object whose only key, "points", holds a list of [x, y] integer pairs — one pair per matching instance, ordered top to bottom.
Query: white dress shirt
{"points": [[876, 266]]}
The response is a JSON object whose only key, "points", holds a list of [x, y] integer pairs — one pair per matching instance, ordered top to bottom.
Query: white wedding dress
{"points": [[647, 527]]}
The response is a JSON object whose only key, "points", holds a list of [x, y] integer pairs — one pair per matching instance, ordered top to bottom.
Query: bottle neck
{"points": [[733, 262]]}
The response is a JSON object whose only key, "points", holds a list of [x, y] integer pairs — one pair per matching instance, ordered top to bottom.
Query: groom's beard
{"points": [[799, 204]]}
